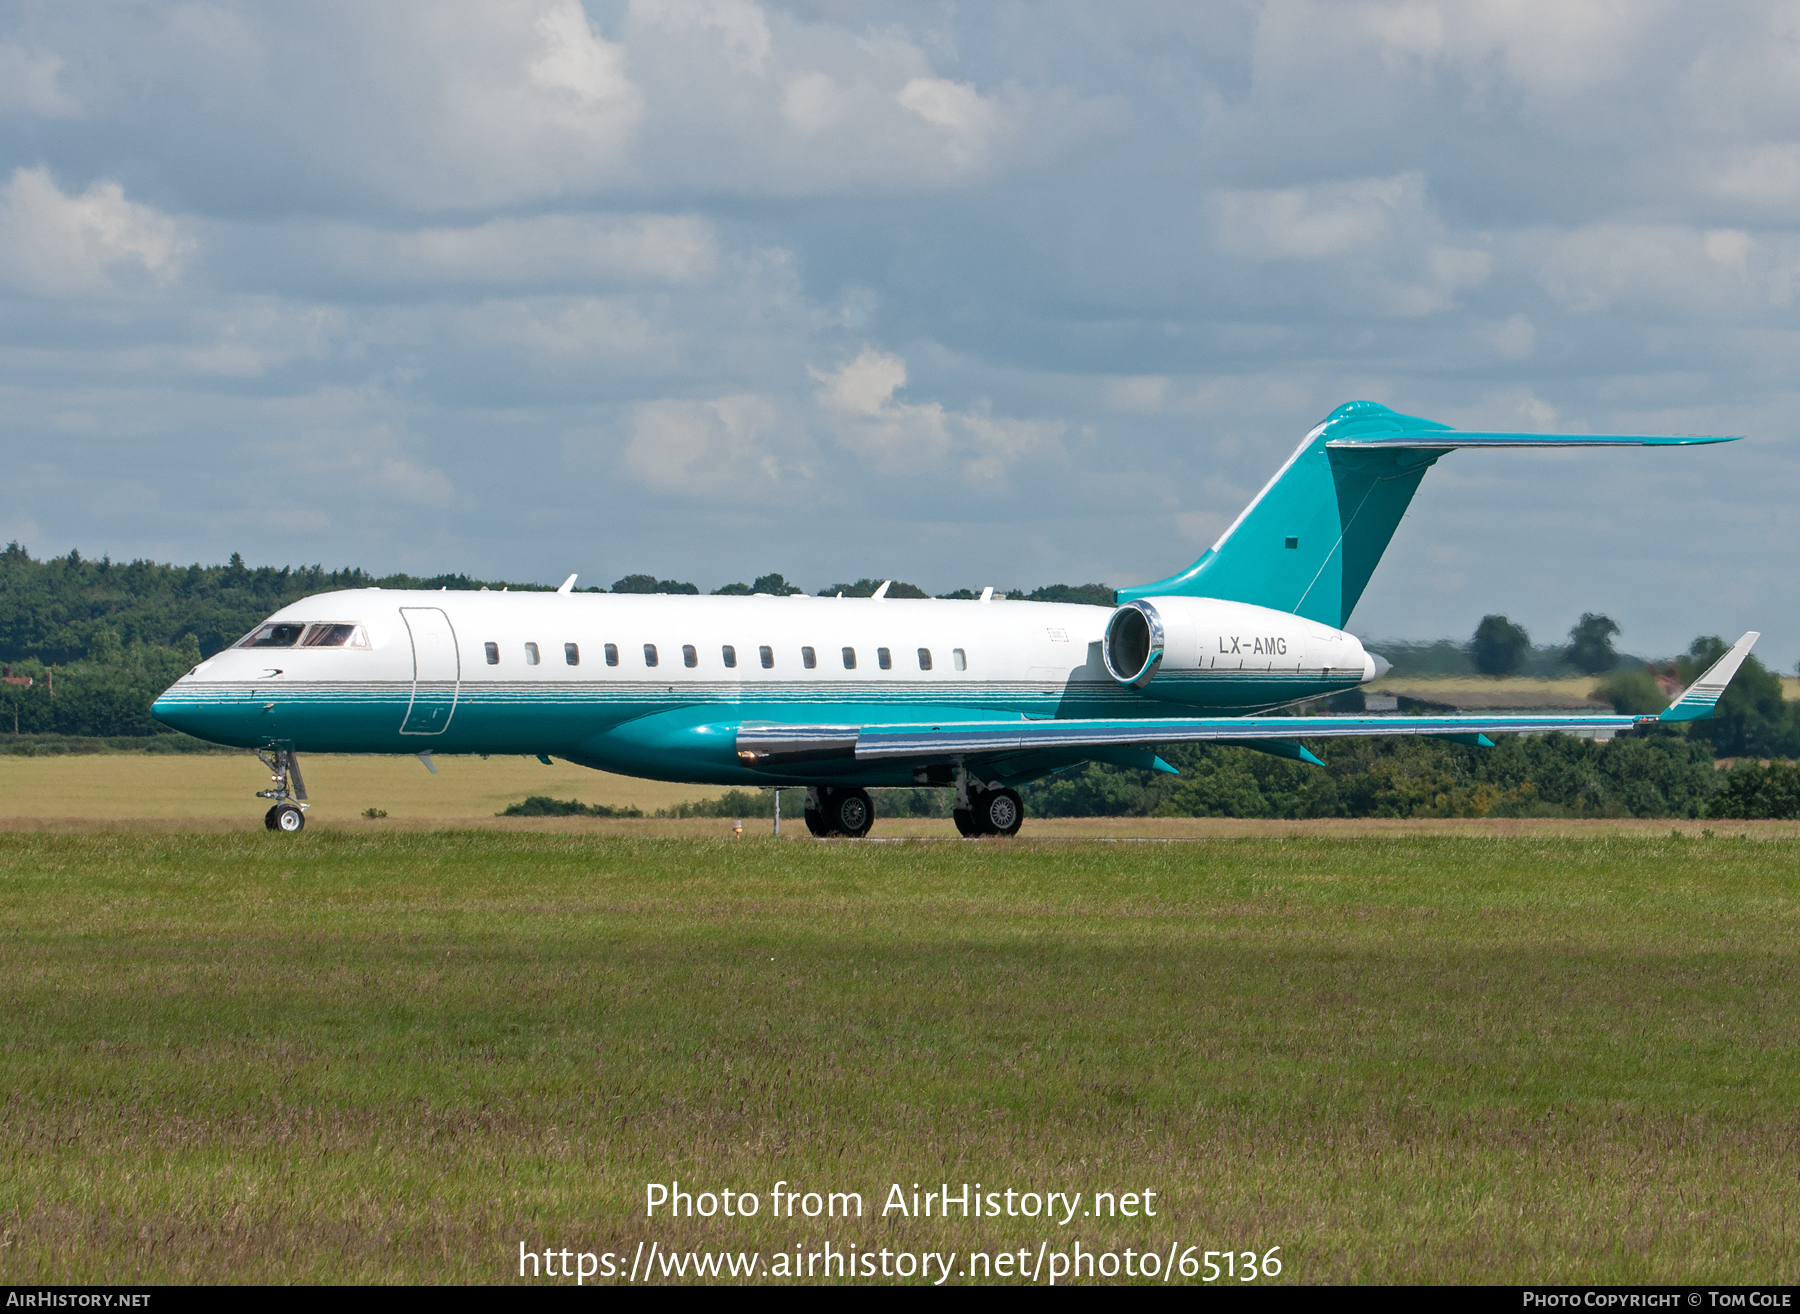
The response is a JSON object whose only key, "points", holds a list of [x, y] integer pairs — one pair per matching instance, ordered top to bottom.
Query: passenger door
{"points": [[437, 671]]}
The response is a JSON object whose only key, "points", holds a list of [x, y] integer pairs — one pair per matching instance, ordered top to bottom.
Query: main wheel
{"points": [[852, 812], [1002, 812], [269, 816], [289, 818], [965, 822], [816, 823]]}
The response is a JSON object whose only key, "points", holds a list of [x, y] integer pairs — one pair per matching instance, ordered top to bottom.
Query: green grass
{"points": [[364, 1057]]}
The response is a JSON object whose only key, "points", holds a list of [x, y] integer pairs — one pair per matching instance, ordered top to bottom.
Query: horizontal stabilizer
{"points": [[1443, 440], [1699, 699]]}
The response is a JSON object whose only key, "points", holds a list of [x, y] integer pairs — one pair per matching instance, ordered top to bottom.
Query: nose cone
{"points": [[1375, 667], [180, 708], [172, 711]]}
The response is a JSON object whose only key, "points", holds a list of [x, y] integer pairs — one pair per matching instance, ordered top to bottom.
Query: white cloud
{"points": [[738, 25], [1550, 47], [576, 61], [29, 81], [811, 102], [493, 103], [969, 120], [1763, 175], [1314, 223], [93, 244], [551, 249], [1602, 266], [1448, 271], [566, 328], [1515, 339], [865, 386], [1143, 394], [859, 407], [994, 444], [735, 445], [356, 449]]}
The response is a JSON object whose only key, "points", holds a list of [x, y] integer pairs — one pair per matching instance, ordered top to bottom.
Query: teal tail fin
{"points": [[1310, 540]]}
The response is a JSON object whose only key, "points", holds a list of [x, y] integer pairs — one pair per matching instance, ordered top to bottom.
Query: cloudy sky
{"points": [[987, 294]]}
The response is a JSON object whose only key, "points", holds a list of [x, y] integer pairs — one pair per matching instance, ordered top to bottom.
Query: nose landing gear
{"points": [[289, 810]]}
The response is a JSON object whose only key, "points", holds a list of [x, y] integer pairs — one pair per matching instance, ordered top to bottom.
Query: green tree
{"points": [[651, 584], [775, 584], [865, 588], [1094, 595], [1590, 644], [1498, 646], [1632, 691], [1756, 792]]}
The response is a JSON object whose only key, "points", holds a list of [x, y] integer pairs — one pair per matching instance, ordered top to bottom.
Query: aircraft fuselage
{"points": [[658, 686]]}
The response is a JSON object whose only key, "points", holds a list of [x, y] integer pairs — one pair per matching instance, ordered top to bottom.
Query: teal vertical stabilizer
{"points": [[1310, 541]]}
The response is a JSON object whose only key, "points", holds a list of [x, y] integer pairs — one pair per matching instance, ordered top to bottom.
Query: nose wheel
{"points": [[288, 812], [285, 816]]}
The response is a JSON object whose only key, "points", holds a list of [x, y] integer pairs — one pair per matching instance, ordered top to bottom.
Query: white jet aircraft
{"points": [[840, 695]]}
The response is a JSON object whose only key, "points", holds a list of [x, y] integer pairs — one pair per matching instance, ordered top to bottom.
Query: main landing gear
{"points": [[836, 810], [980, 811], [288, 813]]}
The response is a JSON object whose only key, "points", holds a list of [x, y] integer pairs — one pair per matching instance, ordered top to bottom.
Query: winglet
{"points": [[568, 585], [1698, 700]]}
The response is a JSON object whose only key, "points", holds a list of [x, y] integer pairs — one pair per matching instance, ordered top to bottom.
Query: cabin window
{"points": [[272, 636], [335, 636], [493, 653], [572, 653], [531, 654], [612, 654], [649, 654], [767, 654], [730, 655], [689, 658], [808, 658], [849, 659], [884, 659], [924, 659], [958, 660]]}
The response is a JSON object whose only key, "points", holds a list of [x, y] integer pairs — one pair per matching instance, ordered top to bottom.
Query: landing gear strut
{"points": [[835, 810], [288, 813]]}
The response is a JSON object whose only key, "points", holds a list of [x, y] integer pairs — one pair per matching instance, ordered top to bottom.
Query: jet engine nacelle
{"points": [[1189, 650]]}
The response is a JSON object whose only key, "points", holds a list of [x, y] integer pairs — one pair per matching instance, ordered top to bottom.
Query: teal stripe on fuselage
{"points": [[585, 721]]}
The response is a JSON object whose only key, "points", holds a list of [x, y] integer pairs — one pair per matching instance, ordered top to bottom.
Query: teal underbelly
{"points": [[593, 722]]}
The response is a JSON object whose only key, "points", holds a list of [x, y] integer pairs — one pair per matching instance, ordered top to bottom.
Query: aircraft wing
{"points": [[782, 745]]}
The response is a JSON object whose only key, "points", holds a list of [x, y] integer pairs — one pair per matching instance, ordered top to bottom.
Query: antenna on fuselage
{"points": [[568, 585], [882, 591]]}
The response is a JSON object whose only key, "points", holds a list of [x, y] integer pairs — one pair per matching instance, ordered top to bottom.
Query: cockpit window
{"points": [[274, 635], [335, 635]]}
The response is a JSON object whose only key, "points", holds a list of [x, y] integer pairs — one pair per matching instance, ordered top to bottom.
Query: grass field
{"points": [[222, 788], [362, 1056]]}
